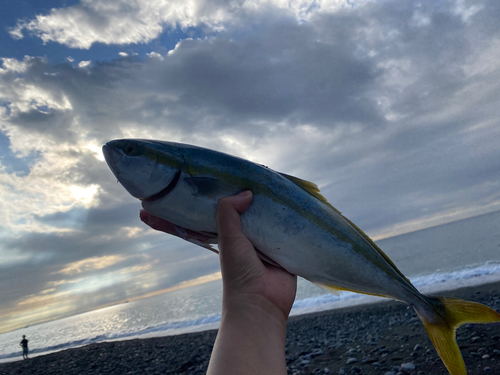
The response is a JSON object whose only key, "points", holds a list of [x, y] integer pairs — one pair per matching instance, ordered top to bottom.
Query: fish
{"points": [[289, 222]]}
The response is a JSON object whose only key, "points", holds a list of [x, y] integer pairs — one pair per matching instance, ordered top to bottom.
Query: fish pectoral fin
{"points": [[210, 187], [203, 239], [266, 259], [452, 314]]}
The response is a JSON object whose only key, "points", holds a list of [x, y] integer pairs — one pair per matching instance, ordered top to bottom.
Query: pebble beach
{"points": [[383, 339]]}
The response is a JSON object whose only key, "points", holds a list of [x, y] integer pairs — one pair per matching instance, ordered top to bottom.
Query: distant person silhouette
{"points": [[24, 345]]}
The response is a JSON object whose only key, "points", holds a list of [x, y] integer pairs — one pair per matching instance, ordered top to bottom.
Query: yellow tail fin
{"points": [[451, 314]]}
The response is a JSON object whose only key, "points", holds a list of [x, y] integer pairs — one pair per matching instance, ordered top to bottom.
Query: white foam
{"points": [[436, 282], [428, 284]]}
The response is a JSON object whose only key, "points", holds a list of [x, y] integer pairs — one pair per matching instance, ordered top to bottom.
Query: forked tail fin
{"points": [[451, 313]]}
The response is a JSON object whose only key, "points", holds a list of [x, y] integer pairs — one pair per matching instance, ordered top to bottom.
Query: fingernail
{"points": [[244, 194]]}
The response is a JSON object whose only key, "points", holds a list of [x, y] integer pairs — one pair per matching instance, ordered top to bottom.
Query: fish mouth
{"points": [[111, 156], [167, 189]]}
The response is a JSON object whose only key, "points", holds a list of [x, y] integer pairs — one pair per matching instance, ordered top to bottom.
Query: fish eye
{"points": [[132, 148], [129, 149]]}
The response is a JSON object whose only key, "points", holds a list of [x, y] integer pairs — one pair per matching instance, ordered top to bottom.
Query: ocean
{"points": [[445, 257]]}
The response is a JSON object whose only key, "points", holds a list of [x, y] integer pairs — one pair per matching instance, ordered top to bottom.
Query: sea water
{"points": [[445, 257]]}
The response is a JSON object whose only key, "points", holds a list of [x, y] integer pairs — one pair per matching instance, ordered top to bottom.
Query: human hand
{"points": [[247, 280], [256, 301]]}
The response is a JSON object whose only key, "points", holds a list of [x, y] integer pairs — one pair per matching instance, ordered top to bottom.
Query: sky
{"points": [[390, 106]]}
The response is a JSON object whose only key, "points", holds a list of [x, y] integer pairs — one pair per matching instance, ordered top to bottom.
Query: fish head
{"points": [[144, 168]]}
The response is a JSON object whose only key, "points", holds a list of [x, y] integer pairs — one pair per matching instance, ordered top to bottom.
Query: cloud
{"points": [[140, 21], [380, 88], [391, 107], [90, 264]]}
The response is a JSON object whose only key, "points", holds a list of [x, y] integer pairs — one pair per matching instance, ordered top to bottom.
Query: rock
{"points": [[417, 347], [316, 353], [351, 360], [407, 367], [326, 370]]}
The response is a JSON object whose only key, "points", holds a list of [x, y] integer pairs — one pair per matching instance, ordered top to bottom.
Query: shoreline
{"points": [[373, 338]]}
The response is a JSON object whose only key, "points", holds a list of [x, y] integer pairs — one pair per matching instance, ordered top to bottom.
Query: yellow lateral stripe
{"points": [[313, 189]]}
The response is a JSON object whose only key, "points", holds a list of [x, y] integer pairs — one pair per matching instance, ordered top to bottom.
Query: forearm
{"points": [[251, 340]]}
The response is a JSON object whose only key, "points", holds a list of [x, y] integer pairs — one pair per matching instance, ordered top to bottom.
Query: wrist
{"points": [[254, 308], [251, 338]]}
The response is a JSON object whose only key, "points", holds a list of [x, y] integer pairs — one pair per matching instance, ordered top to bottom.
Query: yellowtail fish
{"points": [[289, 222]]}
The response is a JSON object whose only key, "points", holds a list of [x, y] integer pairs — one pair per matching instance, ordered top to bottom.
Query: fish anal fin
{"points": [[329, 289], [336, 290], [452, 314]]}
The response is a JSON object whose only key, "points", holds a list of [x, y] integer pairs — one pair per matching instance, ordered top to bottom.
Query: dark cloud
{"points": [[392, 108]]}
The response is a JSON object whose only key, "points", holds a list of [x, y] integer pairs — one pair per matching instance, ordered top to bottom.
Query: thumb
{"points": [[228, 217], [235, 248]]}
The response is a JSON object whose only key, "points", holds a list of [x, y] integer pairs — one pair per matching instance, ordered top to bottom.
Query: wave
{"points": [[465, 273], [470, 275], [434, 282], [136, 332]]}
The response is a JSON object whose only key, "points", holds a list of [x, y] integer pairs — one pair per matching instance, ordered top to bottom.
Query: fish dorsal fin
{"points": [[310, 187], [313, 189]]}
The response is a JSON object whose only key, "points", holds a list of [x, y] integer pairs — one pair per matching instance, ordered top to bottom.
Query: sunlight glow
{"points": [[97, 151], [84, 195], [90, 264], [185, 284]]}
